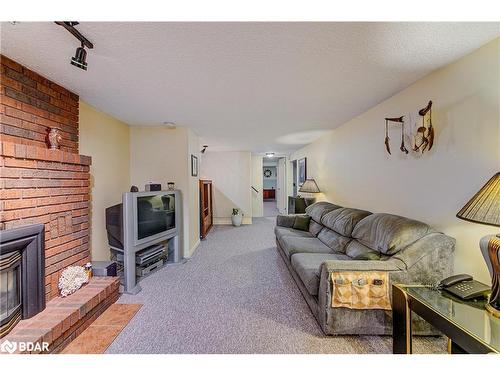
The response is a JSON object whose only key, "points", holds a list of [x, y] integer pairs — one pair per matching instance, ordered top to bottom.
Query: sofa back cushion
{"points": [[318, 209], [343, 220], [314, 228], [388, 233], [333, 240], [358, 251]]}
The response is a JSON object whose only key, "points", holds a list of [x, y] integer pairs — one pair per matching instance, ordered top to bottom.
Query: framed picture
{"points": [[194, 166], [302, 170]]}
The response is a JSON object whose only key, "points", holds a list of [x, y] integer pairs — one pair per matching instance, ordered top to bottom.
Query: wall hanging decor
{"points": [[399, 121], [424, 137], [194, 166], [302, 167]]}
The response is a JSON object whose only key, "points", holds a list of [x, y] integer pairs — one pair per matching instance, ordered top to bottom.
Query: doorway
{"points": [[269, 186], [274, 186]]}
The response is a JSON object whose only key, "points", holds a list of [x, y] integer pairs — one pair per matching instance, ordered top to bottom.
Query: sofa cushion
{"points": [[318, 209], [285, 220], [343, 220], [302, 222], [314, 227], [283, 231], [388, 233], [333, 240], [294, 244], [358, 251], [308, 266]]}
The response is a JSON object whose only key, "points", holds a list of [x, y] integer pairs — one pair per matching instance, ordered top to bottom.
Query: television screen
{"points": [[155, 214], [114, 225]]}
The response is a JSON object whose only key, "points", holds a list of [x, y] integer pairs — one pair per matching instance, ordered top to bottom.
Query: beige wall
{"points": [[106, 139], [161, 155], [353, 169], [231, 173], [257, 182], [193, 193]]}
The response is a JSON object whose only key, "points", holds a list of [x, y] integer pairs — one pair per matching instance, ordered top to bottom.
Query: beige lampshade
{"points": [[309, 186], [484, 207]]}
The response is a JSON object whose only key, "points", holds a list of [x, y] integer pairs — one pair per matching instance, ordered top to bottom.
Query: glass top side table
{"points": [[470, 328]]}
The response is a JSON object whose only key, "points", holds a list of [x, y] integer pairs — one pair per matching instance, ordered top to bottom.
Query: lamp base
{"points": [[492, 248], [492, 310]]}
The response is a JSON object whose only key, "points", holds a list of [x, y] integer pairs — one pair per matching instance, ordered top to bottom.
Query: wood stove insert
{"points": [[22, 274]]}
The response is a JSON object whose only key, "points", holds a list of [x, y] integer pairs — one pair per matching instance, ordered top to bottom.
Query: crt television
{"points": [[141, 217]]}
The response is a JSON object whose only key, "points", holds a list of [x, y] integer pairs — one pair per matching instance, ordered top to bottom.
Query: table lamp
{"points": [[309, 186], [484, 208]]}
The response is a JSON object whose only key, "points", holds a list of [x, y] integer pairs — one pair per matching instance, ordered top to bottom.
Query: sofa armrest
{"points": [[285, 220], [435, 248], [364, 265], [327, 314]]}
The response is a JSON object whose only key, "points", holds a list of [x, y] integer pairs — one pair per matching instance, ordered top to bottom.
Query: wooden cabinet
{"points": [[269, 194], [206, 213]]}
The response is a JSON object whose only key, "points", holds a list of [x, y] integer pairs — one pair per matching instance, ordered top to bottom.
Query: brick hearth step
{"points": [[65, 318]]}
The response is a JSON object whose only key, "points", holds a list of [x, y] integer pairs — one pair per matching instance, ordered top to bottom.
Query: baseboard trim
{"points": [[227, 221], [194, 248]]}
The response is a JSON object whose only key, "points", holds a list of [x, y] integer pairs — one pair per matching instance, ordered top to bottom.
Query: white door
{"points": [[281, 186]]}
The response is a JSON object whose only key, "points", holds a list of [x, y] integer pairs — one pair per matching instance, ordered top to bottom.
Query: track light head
{"points": [[79, 59], [204, 149]]}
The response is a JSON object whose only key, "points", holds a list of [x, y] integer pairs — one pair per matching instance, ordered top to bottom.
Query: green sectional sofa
{"points": [[348, 239]]}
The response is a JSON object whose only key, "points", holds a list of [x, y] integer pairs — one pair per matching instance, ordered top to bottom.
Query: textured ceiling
{"points": [[243, 86]]}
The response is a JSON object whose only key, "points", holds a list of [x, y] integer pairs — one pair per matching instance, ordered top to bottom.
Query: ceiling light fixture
{"points": [[80, 55], [169, 124], [204, 149], [269, 154]]}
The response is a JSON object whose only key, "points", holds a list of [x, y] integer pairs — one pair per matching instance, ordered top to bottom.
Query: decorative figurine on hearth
{"points": [[54, 138], [72, 279]]}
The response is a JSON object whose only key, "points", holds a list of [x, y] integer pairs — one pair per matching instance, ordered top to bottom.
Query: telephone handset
{"points": [[464, 287]]}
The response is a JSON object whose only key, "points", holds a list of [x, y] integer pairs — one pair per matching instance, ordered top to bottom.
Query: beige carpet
{"points": [[235, 295]]}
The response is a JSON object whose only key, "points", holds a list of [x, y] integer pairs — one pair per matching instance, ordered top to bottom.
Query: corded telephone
{"points": [[464, 287]]}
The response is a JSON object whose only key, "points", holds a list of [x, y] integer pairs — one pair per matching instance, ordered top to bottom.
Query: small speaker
{"points": [[153, 187], [106, 268]]}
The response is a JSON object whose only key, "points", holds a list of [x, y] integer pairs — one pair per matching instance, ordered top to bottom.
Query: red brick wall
{"points": [[30, 104], [39, 185]]}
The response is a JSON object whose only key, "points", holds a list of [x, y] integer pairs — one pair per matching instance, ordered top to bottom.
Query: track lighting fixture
{"points": [[80, 55], [79, 59], [204, 149]]}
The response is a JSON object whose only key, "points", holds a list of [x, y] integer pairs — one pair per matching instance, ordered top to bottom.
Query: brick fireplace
{"points": [[39, 185], [50, 187]]}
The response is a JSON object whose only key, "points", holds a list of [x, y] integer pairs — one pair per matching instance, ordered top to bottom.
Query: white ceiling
{"points": [[243, 86]]}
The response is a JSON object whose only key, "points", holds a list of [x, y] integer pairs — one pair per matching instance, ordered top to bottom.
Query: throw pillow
{"points": [[302, 222]]}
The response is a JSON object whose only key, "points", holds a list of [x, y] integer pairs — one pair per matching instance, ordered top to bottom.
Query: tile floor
{"points": [[102, 332]]}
